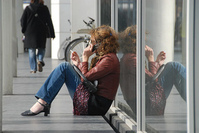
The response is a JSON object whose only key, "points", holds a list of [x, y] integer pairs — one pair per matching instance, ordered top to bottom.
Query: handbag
{"points": [[48, 33], [90, 86], [82, 94], [155, 96], [80, 100]]}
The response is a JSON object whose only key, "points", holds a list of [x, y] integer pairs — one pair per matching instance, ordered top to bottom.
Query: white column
{"points": [[19, 12], [61, 13], [160, 21], [14, 39], [48, 43], [7, 55], [1, 66]]}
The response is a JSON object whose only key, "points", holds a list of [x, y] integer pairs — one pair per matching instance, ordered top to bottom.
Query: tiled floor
{"points": [[61, 119]]}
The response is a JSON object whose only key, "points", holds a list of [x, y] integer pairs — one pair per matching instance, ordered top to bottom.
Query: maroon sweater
{"points": [[107, 72]]}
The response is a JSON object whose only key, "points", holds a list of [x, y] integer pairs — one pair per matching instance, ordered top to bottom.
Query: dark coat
{"points": [[35, 28]]}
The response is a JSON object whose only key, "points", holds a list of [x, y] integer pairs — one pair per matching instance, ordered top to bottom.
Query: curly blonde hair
{"points": [[108, 40], [127, 40]]}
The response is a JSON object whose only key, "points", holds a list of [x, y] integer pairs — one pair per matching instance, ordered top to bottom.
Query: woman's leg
{"points": [[40, 55], [32, 59], [64, 73], [174, 74]]}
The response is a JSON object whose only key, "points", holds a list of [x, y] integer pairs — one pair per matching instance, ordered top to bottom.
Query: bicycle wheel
{"points": [[77, 45], [61, 50]]}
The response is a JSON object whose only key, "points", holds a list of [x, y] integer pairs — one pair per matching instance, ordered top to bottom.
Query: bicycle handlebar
{"points": [[90, 22]]}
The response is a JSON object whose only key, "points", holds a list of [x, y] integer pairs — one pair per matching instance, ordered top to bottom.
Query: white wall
{"points": [[73, 10], [19, 11], [60, 13], [80, 13], [48, 42]]}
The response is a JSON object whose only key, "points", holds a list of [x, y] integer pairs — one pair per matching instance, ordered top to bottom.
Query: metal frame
{"points": [[98, 13], [112, 13], [114, 25], [190, 45], [196, 65], [140, 75], [1, 88]]}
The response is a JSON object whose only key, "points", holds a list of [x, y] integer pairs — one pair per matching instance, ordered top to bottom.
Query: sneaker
{"points": [[40, 69]]}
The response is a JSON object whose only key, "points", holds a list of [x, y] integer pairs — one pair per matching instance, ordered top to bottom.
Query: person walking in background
{"points": [[36, 25]]}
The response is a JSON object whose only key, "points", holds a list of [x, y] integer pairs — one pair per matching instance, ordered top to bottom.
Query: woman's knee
{"points": [[173, 64], [64, 65], [178, 65]]}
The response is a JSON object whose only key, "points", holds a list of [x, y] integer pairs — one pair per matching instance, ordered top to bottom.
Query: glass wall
{"points": [[105, 12], [126, 14], [126, 27], [158, 49], [165, 96]]}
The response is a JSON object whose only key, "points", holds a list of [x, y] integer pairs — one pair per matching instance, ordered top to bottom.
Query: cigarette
{"points": [[71, 51]]}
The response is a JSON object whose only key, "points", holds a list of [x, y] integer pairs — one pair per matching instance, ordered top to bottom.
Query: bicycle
{"points": [[79, 44], [61, 50]]}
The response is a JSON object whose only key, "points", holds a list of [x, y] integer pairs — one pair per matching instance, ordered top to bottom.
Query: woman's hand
{"points": [[87, 53], [149, 53], [75, 58], [161, 58]]}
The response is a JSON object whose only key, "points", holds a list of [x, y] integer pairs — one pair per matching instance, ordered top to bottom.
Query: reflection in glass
{"points": [[106, 12], [126, 14], [126, 17], [165, 29], [127, 40], [165, 44], [158, 90]]}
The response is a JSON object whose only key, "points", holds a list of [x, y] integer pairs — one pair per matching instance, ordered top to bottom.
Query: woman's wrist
{"points": [[84, 59], [151, 59]]}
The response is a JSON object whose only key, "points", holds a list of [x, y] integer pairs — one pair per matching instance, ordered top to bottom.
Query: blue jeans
{"points": [[33, 57], [64, 73], [174, 73]]}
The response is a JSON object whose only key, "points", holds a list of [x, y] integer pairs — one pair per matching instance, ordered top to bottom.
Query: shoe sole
{"points": [[40, 69], [32, 71]]}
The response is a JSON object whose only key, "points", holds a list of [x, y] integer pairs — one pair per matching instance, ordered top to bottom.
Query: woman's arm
{"points": [[23, 21], [49, 22], [149, 53], [161, 58], [106, 65], [153, 66]]}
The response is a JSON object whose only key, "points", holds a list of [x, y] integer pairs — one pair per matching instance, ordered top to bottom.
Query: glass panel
{"points": [[106, 12], [126, 14], [127, 39], [165, 44]]}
